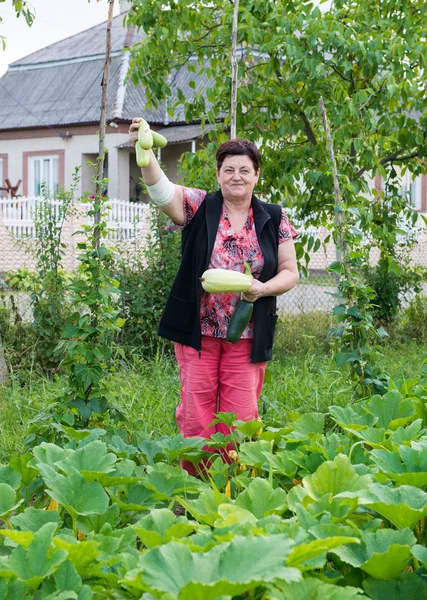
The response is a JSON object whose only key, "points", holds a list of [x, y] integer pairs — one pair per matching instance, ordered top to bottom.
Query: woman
{"points": [[222, 230]]}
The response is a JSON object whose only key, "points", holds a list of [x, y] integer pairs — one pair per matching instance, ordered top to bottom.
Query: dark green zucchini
{"points": [[239, 321]]}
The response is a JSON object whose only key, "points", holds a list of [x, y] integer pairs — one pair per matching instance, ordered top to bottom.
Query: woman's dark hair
{"points": [[238, 146]]}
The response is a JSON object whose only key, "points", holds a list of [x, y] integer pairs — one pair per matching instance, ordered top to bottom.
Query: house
{"points": [[50, 105]]}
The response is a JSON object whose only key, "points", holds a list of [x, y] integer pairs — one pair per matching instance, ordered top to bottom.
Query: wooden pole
{"points": [[234, 71], [104, 105], [341, 247], [4, 374]]}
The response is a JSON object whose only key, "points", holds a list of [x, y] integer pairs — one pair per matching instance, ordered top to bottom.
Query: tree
{"points": [[22, 8], [366, 59], [368, 62]]}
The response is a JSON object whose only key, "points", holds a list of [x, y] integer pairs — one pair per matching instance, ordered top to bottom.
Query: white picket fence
{"points": [[125, 219]]}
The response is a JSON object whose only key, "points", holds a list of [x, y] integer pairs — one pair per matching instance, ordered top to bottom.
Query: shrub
{"points": [[145, 283], [391, 288], [414, 319]]}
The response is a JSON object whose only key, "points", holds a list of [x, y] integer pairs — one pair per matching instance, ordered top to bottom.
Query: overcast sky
{"points": [[54, 21]]}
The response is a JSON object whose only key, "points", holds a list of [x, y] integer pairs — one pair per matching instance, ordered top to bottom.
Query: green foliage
{"points": [[22, 7], [23, 280], [145, 282], [391, 290], [49, 298], [414, 319], [86, 339], [295, 511]]}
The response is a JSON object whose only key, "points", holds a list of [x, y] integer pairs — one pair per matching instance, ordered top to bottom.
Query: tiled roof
{"points": [[61, 84]]}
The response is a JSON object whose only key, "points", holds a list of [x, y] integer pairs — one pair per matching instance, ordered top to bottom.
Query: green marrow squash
{"points": [[239, 320]]}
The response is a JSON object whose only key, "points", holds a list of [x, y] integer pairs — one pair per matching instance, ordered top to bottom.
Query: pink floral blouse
{"points": [[230, 252]]}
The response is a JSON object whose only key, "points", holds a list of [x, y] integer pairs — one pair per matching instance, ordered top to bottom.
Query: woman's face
{"points": [[237, 177]]}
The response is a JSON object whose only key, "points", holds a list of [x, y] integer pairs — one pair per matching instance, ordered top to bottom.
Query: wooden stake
{"points": [[234, 71], [104, 104], [341, 248]]}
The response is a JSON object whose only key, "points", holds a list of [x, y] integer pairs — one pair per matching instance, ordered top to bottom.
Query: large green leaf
{"points": [[391, 410], [353, 416], [307, 425], [407, 434], [50, 454], [255, 454], [90, 460], [283, 462], [22, 464], [408, 466], [10, 476], [334, 477], [167, 481], [72, 491], [261, 499], [8, 500], [403, 506], [205, 507], [231, 514], [32, 519], [96, 522], [161, 526], [304, 552], [420, 553], [383, 554], [38, 561], [227, 569], [406, 587], [313, 589], [13, 590]]}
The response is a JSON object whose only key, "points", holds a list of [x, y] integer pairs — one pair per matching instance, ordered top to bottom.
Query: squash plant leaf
{"points": [[391, 410], [352, 416], [307, 425], [407, 434], [254, 453], [49, 454], [90, 460], [22, 466], [10, 476], [334, 477], [167, 481], [74, 493], [261, 499], [7, 500], [403, 506], [205, 508], [32, 519], [95, 523], [161, 526], [304, 552], [420, 553], [383, 554], [38, 561], [227, 569], [407, 585], [13, 590], [315, 590]]}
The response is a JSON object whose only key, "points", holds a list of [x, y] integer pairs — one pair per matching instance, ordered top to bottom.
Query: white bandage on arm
{"points": [[162, 192]]}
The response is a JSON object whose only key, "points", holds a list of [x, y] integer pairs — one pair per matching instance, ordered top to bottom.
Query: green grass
{"points": [[149, 392]]}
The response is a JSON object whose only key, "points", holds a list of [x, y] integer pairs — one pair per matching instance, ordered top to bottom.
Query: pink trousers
{"points": [[219, 379]]}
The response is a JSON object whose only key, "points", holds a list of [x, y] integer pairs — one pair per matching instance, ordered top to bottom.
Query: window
{"points": [[43, 170], [2, 182], [412, 187]]}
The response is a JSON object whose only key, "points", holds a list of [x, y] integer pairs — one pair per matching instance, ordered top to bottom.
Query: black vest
{"points": [[181, 318]]}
